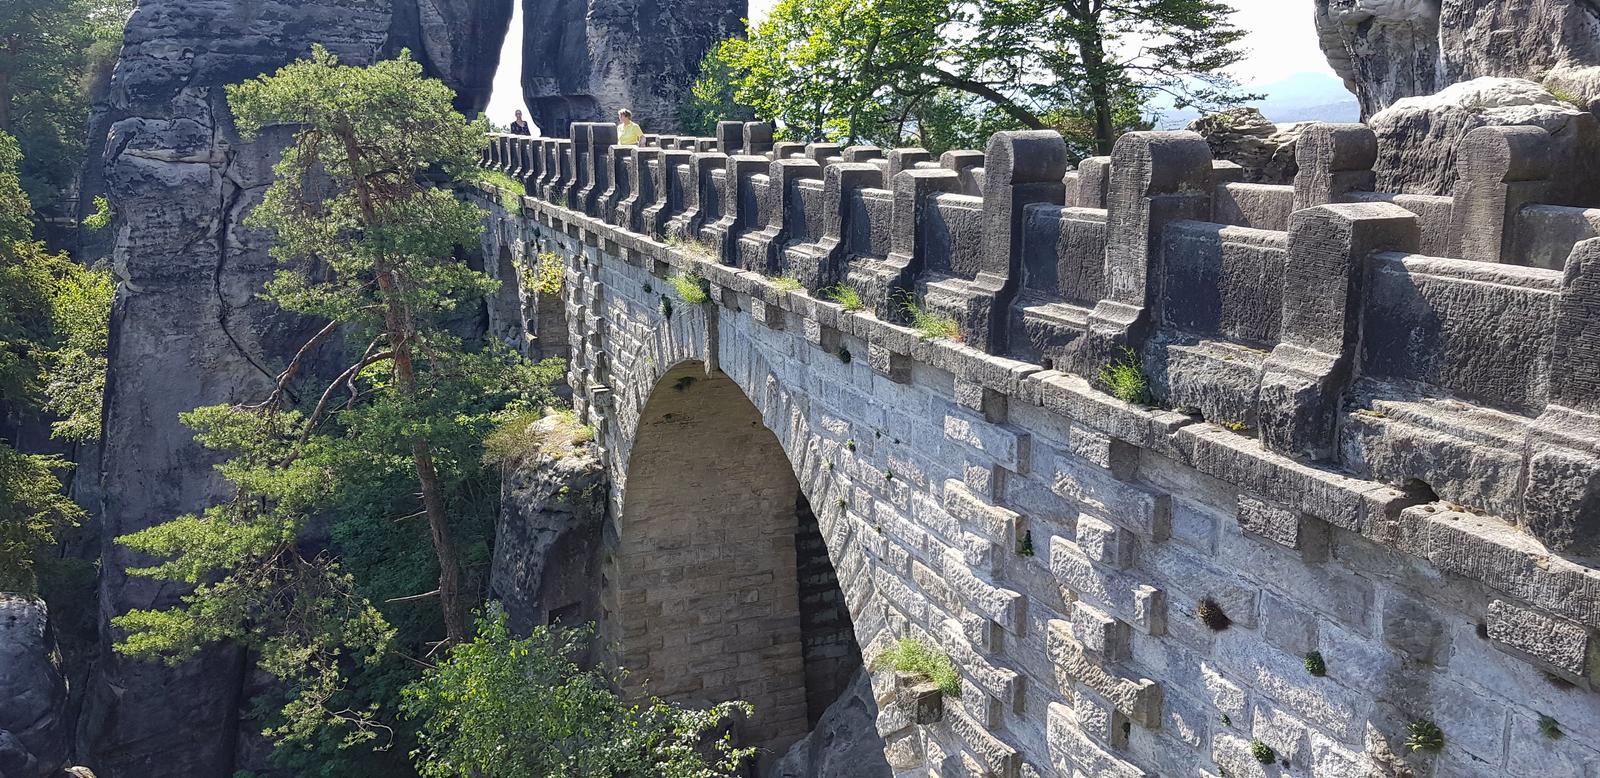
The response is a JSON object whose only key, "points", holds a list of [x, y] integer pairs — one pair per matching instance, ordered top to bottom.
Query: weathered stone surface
{"points": [[1387, 50], [582, 62], [1419, 137], [1265, 151], [548, 536], [1567, 648], [34, 730], [844, 743]]}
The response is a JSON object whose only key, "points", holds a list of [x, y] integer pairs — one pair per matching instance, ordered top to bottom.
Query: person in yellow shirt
{"points": [[629, 133]]}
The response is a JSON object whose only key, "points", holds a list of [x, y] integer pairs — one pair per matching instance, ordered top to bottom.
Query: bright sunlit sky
{"points": [[1282, 43]]}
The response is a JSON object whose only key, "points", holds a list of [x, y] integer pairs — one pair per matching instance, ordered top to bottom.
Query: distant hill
{"points": [[1300, 97]]}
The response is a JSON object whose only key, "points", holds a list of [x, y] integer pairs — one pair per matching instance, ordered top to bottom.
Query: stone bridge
{"points": [[1363, 496]]}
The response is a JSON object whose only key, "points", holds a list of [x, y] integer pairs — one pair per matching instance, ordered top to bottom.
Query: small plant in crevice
{"points": [[693, 246], [788, 284], [690, 288], [648, 289], [845, 295], [666, 307], [932, 326], [843, 354], [1124, 378], [1233, 426], [850, 445], [828, 466], [888, 475], [840, 502], [1025, 546], [1212, 615], [917, 657], [1315, 665], [1227, 721], [1550, 728], [1424, 735], [1263, 752]]}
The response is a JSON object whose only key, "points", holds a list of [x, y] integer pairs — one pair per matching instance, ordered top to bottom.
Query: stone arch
{"points": [[505, 306], [721, 582]]}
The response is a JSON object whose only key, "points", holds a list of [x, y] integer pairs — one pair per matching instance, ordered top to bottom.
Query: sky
{"points": [[1282, 42]]}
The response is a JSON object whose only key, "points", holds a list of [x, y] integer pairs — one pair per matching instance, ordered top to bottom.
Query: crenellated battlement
{"points": [[1399, 337]]}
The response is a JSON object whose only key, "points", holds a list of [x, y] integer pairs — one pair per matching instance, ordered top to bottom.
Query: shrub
{"points": [[511, 190], [691, 245], [547, 273], [788, 284], [691, 288], [845, 295], [932, 326], [1125, 379], [535, 435], [1212, 615], [910, 655], [1315, 665], [1424, 735], [1262, 752]]}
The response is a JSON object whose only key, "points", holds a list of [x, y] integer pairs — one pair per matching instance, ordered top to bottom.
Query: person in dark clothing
{"points": [[519, 125]]}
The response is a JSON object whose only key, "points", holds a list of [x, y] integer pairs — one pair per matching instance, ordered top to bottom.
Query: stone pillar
{"points": [[601, 137], [730, 137], [758, 137], [703, 145], [550, 149], [787, 149], [821, 152], [861, 153], [905, 159], [1333, 159], [966, 163], [580, 167], [1020, 168], [1501, 169], [1094, 176], [1156, 178], [561, 183], [621, 183], [912, 190], [669, 195], [630, 211], [736, 218], [688, 223], [764, 246], [817, 265], [1308, 371], [1562, 498]]}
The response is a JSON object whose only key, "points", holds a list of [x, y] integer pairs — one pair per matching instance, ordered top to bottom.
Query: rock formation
{"points": [[1387, 50], [583, 61], [1243, 136], [1419, 137], [186, 328], [548, 536], [34, 732], [844, 743]]}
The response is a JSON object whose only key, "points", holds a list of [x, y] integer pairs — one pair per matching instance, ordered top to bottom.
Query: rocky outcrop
{"points": [[1388, 50], [583, 61], [1243, 136], [1419, 137], [187, 329], [553, 504], [34, 731], [844, 743]]}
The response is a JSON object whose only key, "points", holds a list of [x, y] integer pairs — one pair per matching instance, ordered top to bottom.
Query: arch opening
{"points": [[505, 307], [720, 584]]}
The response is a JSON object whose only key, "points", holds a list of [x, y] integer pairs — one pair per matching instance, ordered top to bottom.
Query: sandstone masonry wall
{"points": [[1373, 440]]}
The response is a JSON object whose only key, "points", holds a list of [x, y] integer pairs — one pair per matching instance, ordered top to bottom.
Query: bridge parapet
{"points": [[1380, 398]]}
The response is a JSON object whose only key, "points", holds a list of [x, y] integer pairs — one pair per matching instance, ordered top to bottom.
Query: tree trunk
{"points": [[1099, 93], [5, 102]]}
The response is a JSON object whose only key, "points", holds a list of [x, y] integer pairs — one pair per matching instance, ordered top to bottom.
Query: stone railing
{"points": [[1449, 344]]}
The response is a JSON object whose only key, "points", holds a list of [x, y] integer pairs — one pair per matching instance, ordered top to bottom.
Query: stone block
{"points": [[1007, 446], [1144, 512], [1104, 542], [1003, 606], [1287, 626], [1415, 629], [1100, 633], [1568, 649], [1138, 699], [1070, 747]]}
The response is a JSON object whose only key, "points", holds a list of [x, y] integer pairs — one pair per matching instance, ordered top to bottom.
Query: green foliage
{"points": [[52, 55], [943, 74], [711, 98], [511, 190], [101, 218], [691, 245], [547, 274], [788, 284], [690, 287], [845, 295], [932, 326], [843, 354], [52, 356], [1124, 378], [530, 435], [385, 459], [1025, 545], [1212, 615], [917, 657], [1315, 664], [506, 707], [1550, 728], [1424, 735], [1262, 752]]}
